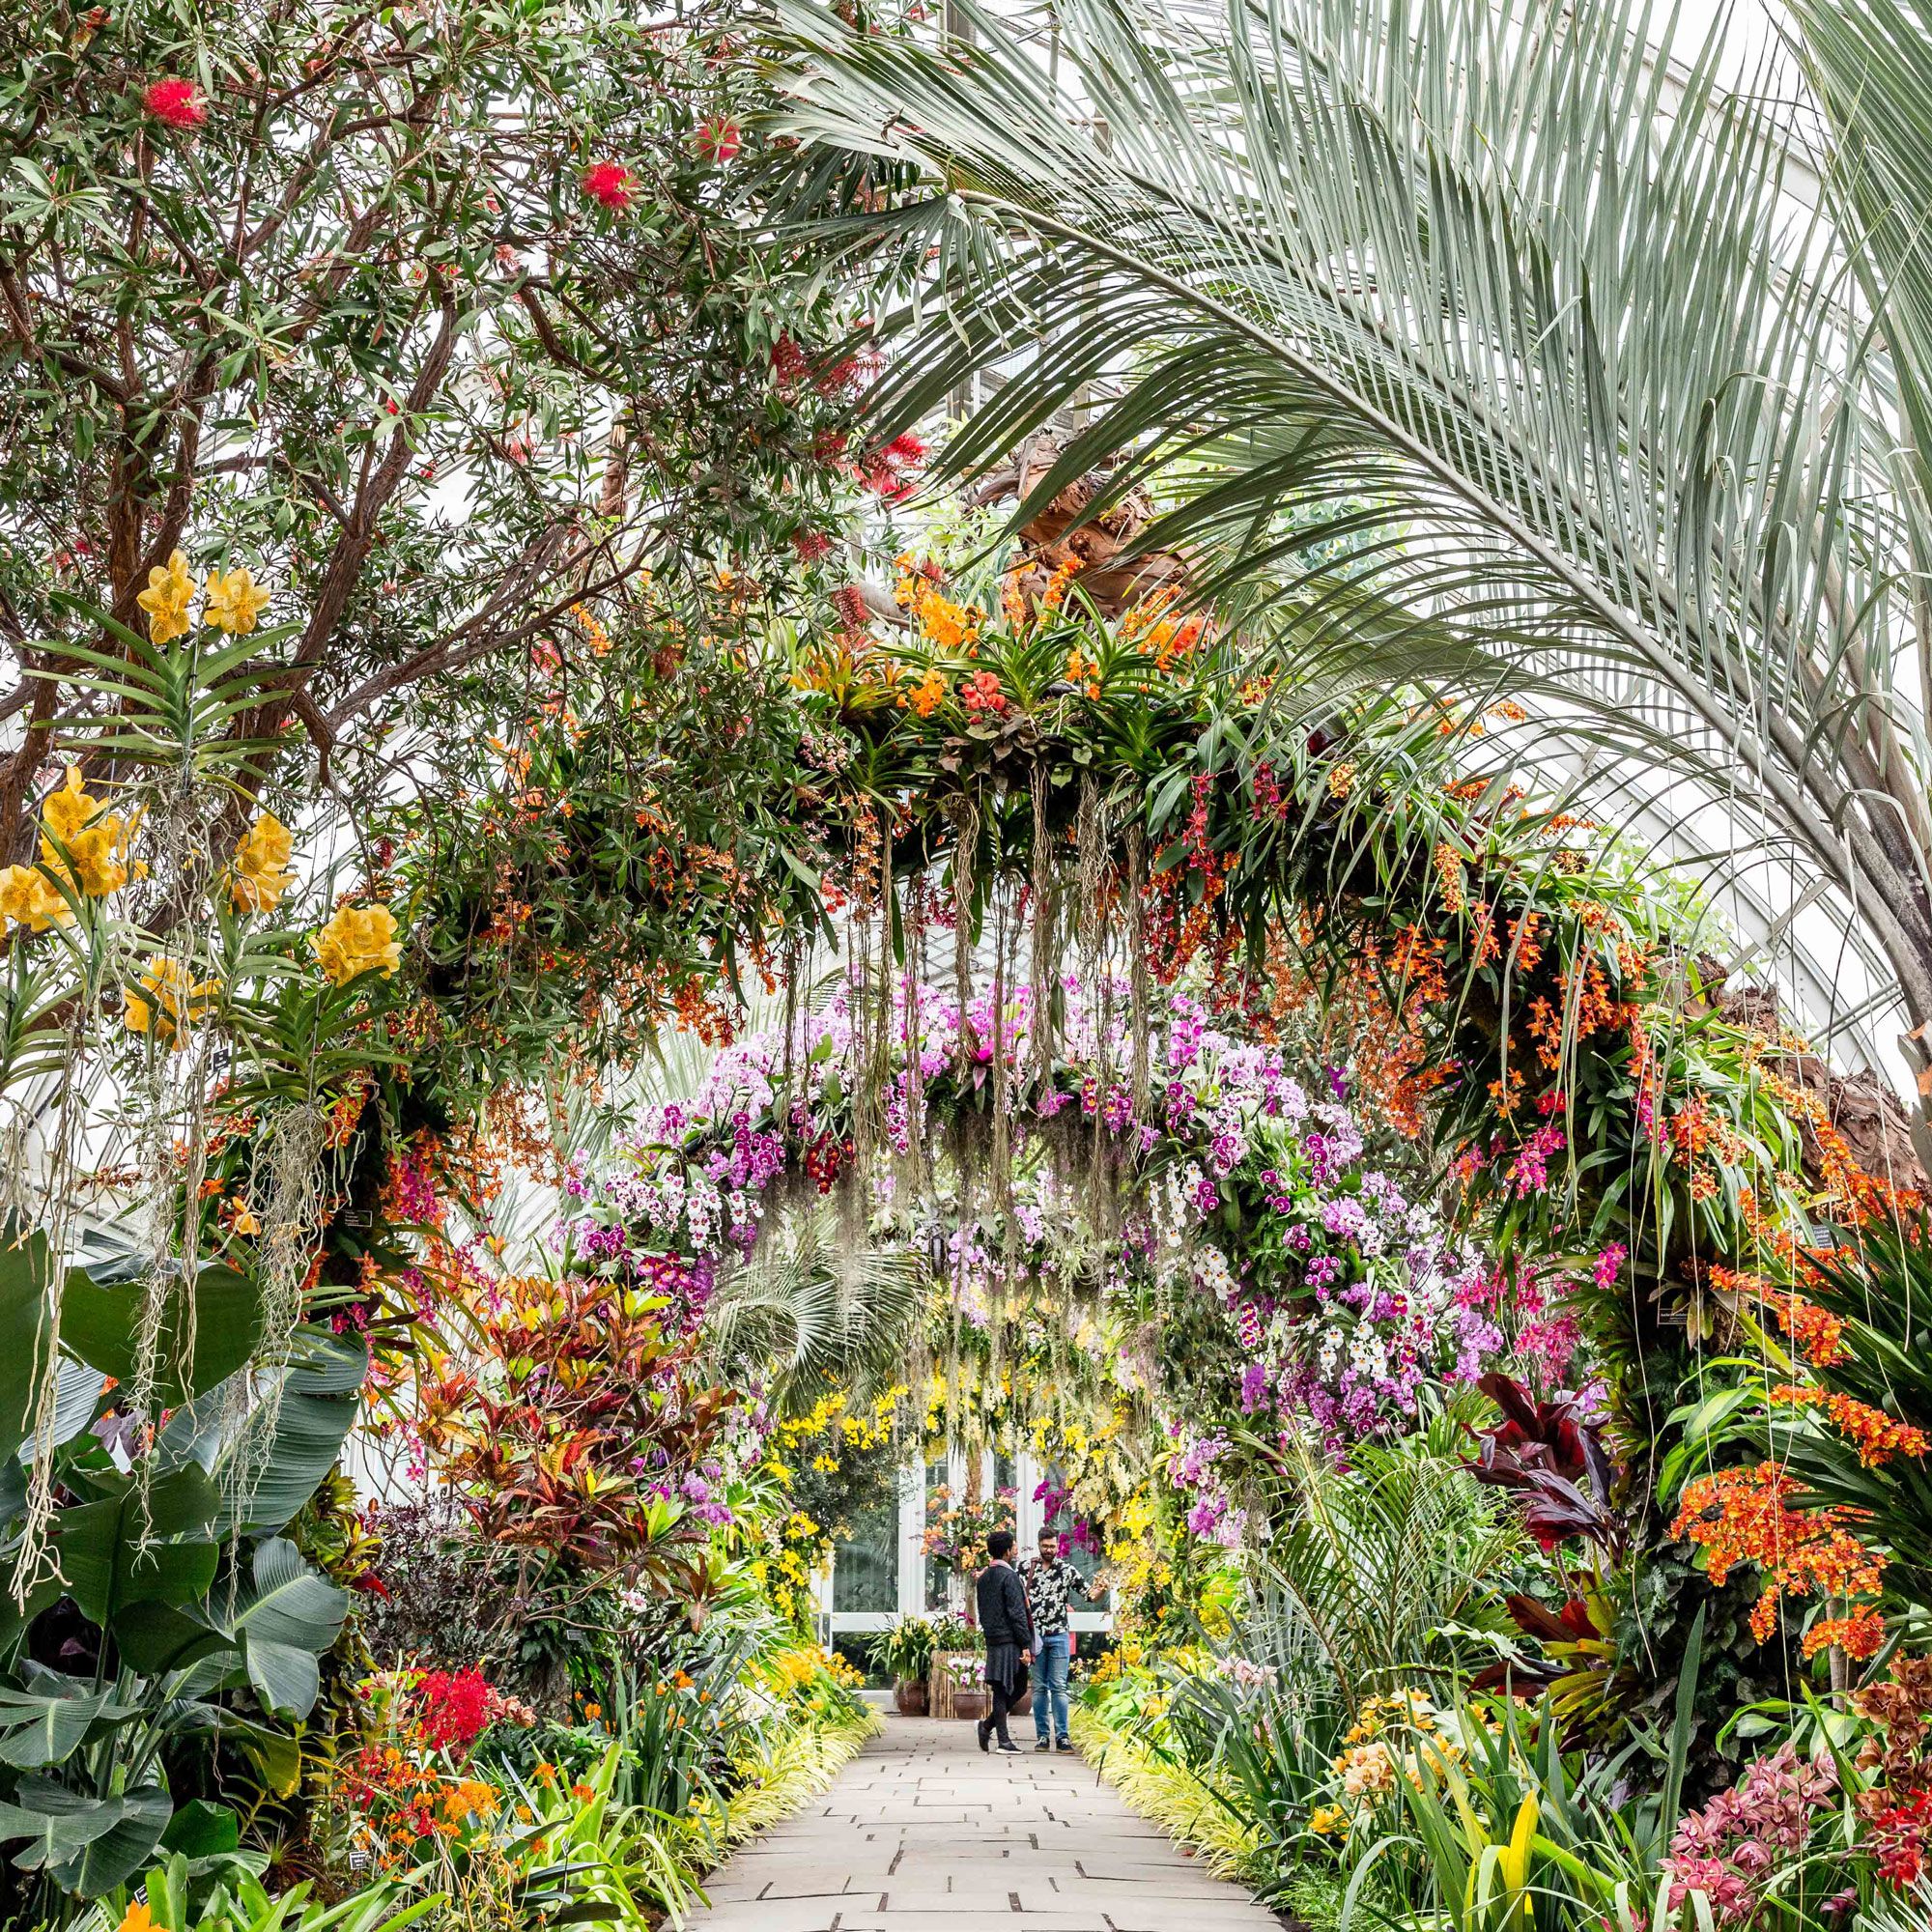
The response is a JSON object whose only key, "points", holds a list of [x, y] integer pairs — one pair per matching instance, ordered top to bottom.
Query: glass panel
{"points": [[865, 1567], [938, 1576], [938, 1584]]}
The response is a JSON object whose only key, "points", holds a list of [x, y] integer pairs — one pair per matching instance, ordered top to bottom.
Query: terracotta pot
{"points": [[911, 1697], [973, 1704]]}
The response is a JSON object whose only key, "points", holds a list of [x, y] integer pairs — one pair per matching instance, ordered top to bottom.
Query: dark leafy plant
{"points": [[1542, 1453]]}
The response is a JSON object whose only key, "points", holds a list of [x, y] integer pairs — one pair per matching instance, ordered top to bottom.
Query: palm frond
{"points": [[1487, 313], [806, 1312], [1382, 1557]]}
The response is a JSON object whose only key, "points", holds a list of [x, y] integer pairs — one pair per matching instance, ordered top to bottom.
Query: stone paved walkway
{"points": [[921, 1833]]}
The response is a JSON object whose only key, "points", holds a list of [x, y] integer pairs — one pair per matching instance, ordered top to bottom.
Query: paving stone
{"points": [[922, 1834]]}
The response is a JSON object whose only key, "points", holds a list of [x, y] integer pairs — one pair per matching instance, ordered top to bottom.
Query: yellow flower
{"points": [[170, 591], [235, 601], [69, 809], [95, 843], [262, 873], [30, 898], [357, 940], [174, 1002], [1327, 1819], [138, 1918]]}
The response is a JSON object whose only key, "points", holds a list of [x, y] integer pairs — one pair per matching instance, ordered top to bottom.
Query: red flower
{"points": [[178, 102], [719, 140], [611, 183], [789, 362], [810, 545], [983, 695], [454, 1707]]}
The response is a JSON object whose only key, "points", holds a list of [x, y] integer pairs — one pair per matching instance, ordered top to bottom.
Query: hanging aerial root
{"points": [[966, 834], [1042, 963], [1138, 990], [288, 1191], [35, 1557]]}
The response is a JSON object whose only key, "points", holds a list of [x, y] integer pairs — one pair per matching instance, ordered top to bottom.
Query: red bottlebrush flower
{"points": [[177, 102], [719, 140], [612, 185], [789, 362], [833, 379], [905, 449], [884, 481], [810, 545], [849, 601]]}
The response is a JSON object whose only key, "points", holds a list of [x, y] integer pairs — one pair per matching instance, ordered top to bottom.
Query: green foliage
{"points": [[1421, 383], [504, 397], [1388, 1567], [200, 1624], [904, 1649], [238, 1903]]}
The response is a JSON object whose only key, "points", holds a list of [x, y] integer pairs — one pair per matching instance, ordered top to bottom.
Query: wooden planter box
{"points": [[948, 1702]]}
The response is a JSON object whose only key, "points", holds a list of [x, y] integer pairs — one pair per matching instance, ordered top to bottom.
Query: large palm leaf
{"points": [[1556, 338], [807, 1312], [1381, 1559]]}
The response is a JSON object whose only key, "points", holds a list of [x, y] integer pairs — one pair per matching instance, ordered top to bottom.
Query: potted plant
{"points": [[955, 1641], [903, 1650], [971, 1699]]}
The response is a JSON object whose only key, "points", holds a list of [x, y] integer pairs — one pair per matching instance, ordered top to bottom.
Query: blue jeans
{"points": [[1049, 1684]]}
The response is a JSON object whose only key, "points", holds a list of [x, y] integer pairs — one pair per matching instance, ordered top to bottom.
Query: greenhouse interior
{"points": [[966, 963]]}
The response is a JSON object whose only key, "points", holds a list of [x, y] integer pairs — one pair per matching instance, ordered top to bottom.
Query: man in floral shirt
{"points": [[1050, 1580]]}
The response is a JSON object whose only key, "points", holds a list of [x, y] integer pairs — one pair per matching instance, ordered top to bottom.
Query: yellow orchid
{"points": [[170, 591], [235, 601], [69, 809], [95, 843], [262, 874], [30, 898], [357, 940], [171, 1000]]}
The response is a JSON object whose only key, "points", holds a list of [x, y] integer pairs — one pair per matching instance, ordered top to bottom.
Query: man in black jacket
{"points": [[1007, 1625]]}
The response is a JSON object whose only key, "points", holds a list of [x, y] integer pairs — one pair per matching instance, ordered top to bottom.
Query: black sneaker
{"points": [[984, 1729], [1045, 1744], [1065, 1745], [1008, 1748]]}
